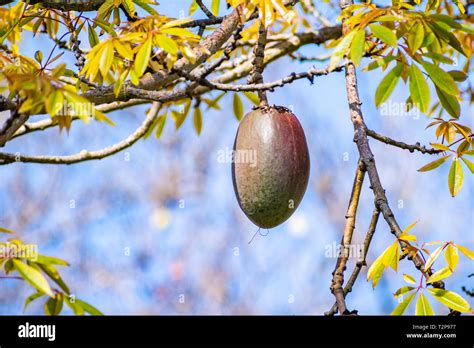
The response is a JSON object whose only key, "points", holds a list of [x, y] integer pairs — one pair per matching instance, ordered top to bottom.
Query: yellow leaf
{"points": [[167, 44], [106, 58], [142, 58], [54, 103], [238, 107], [197, 120], [455, 177], [468, 253], [434, 255], [451, 256], [375, 271], [439, 275], [33, 277], [409, 279], [403, 290], [450, 299], [423, 306], [400, 309]]}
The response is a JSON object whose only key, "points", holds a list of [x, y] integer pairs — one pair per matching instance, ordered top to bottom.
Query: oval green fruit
{"points": [[270, 168]]}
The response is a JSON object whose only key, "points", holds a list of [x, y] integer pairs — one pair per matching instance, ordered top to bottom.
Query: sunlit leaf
{"points": [[387, 85], [419, 89], [434, 164], [455, 177], [451, 255], [433, 256], [439, 275], [33, 277], [409, 279], [450, 299], [402, 306], [423, 306]]}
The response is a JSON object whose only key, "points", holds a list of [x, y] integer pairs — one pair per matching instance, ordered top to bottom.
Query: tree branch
{"points": [[64, 5], [205, 9], [256, 76], [411, 148], [6, 158], [362, 259], [338, 274]]}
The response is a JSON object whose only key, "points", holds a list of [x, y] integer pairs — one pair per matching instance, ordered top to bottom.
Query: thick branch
{"points": [[64, 5], [256, 75], [11, 125], [84, 155], [338, 274]]}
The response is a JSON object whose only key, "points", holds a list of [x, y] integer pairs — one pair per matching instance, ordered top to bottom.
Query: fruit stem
{"points": [[258, 64]]}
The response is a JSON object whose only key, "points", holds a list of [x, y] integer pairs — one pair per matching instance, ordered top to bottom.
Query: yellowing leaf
{"points": [[215, 7], [415, 38], [167, 44], [143, 57], [106, 58], [252, 97], [54, 103], [449, 103], [238, 107], [197, 120], [434, 164], [469, 164], [455, 177], [466, 252], [451, 255], [433, 256], [375, 271], [439, 275], [33, 277], [409, 279], [403, 290], [450, 299], [402, 306], [423, 306]]}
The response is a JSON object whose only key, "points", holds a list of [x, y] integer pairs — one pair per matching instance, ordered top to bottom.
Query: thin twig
{"points": [[402, 145]]}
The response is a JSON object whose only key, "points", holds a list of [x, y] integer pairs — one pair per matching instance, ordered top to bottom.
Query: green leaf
{"points": [[144, 5], [384, 34], [93, 37], [415, 37], [167, 44], [357, 46], [341, 49], [39, 56], [143, 57], [458, 75], [441, 79], [387, 85], [419, 89], [252, 97], [54, 103], [449, 103], [238, 107], [197, 117], [160, 126], [434, 164], [469, 164], [455, 177], [4, 230], [466, 252], [451, 255], [433, 256], [49, 260], [53, 273], [439, 275], [33, 277], [409, 279], [403, 290], [31, 298], [450, 299], [54, 305], [402, 306], [423, 306], [88, 307]]}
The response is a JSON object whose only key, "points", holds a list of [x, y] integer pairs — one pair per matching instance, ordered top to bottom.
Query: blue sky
{"points": [[134, 248]]}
